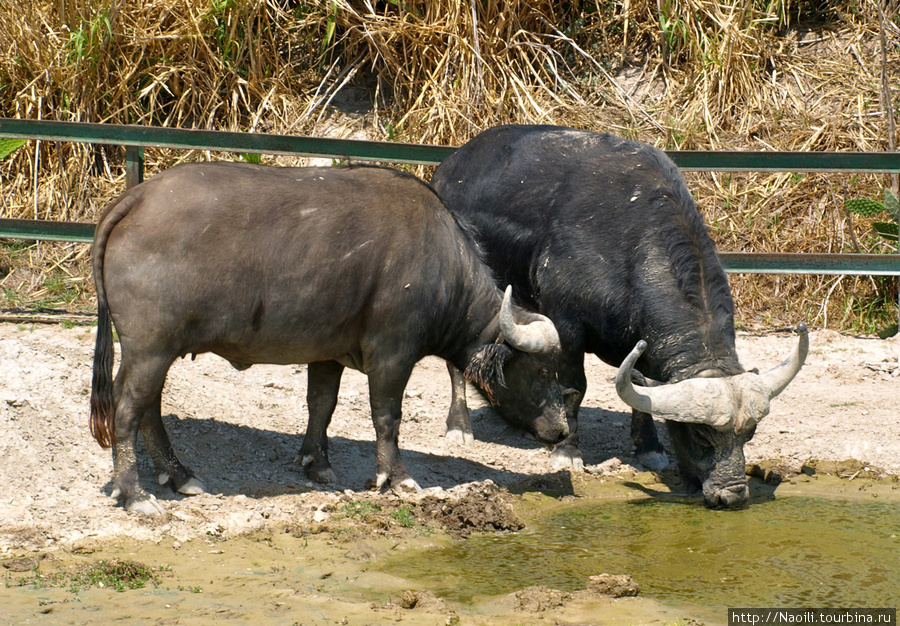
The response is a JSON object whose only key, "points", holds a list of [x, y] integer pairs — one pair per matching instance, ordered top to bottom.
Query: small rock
{"points": [[609, 466]]}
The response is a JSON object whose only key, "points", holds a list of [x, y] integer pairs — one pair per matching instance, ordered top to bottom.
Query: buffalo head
{"points": [[518, 374], [710, 419]]}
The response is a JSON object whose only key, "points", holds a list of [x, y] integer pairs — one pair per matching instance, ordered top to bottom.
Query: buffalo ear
{"points": [[486, 368]]}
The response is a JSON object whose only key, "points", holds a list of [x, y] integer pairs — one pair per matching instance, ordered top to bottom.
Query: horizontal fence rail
{"points": [[135, 138], [220, 140], [419, 154], [47, 230], [810, 263]]}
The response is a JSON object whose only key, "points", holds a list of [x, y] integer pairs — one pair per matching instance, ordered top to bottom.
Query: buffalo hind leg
{"points": [[324, 381], [140, 386], [385, 398], [459, 426], [160, 448]]}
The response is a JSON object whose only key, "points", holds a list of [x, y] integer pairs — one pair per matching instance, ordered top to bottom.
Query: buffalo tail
{"points": [[103, 410]]}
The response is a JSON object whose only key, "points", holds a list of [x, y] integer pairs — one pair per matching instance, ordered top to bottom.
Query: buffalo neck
{"points": [[474, 325], [692, 350]]}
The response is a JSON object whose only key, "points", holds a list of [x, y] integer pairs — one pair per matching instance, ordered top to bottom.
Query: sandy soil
{"points": [[240, 431]]}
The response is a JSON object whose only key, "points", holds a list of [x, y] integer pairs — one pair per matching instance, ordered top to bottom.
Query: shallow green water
{"points": [[791, 552]]}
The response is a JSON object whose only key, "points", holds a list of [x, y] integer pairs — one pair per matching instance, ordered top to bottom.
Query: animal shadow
{"points": [[233, 459]]}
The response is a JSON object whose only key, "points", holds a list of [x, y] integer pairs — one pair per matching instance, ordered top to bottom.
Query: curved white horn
{"points": [[538, 335], [777, 378], [625, 388], [695, 400]]}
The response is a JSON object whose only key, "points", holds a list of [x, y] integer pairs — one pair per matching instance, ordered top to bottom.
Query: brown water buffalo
{"points": [[601, 235], [359, 267]]}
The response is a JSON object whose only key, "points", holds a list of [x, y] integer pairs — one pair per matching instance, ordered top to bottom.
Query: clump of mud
{"points": [[849, 469], [775, 471], [481, 508], [460, 511], [616, 586], [540, 598], [422, 599]]}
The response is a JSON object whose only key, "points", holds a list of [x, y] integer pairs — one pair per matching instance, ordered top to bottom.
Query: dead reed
{"points": [[679, 74]]}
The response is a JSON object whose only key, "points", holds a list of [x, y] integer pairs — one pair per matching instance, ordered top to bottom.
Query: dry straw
{"points": [[688, 74]]}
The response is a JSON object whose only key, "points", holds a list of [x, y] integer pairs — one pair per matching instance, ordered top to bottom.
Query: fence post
{"points": [[134, 165]]}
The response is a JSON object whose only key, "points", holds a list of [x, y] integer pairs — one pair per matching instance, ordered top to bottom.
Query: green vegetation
{"points": [[9, 145], [873, 208], [60, 288], [359, 508], [405, 516], [116, 574]]}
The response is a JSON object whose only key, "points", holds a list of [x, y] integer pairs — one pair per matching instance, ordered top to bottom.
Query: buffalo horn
{"points": [[538, 335], [777, 378], [624, 388], [695, 400], [705, 400]]}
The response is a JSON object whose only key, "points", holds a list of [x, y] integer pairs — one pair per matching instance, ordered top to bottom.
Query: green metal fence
{"points": [[136, 138]]}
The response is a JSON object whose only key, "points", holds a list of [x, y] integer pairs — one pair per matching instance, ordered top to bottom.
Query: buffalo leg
{"points": [[324, 381], [139, 388], [385, 396], [459, 426], [160, 448], [648, 450], [566, 454]]}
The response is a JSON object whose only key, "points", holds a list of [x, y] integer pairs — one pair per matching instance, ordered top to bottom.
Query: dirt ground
{"points": [[241, 431]]}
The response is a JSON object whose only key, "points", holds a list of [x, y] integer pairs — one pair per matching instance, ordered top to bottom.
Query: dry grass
{"points": [[679, 74]]}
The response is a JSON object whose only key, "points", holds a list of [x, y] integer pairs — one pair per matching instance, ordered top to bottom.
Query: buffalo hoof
{"points": [[460, 437], [566, 458], [653, 461], [320, 472], [323, 476], [404, 484], [407, 485], [194, 486], [191, 487], [146, 505]]}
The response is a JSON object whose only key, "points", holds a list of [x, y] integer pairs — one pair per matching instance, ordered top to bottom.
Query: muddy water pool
{"points": [[794, 551], [791, 552]]}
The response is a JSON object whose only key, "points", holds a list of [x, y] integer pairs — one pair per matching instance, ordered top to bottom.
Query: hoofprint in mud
{"points": [[242, 432]]}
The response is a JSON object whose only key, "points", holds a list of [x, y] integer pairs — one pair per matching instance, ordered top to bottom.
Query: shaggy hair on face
{"points": [[486, 368]]}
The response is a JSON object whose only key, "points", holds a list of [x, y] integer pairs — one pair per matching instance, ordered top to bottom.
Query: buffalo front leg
{"points": [[324, 381], [139, 387], [385, 396], [459, 426], [160, 448], [648, 450], [567, 454]]}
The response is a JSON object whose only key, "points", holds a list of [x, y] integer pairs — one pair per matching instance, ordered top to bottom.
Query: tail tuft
{"points": [[103, 411]]}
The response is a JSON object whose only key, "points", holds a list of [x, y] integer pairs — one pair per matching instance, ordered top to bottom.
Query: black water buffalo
{"points": [[601, 235], [358, 267]]}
